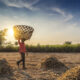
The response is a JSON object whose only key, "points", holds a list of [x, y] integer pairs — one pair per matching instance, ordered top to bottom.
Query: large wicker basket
{"points": [[22, 32]]}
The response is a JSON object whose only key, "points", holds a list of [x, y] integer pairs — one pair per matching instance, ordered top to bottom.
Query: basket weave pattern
{"points": [[22, 32]]}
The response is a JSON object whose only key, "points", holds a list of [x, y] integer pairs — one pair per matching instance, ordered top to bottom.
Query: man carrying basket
{"points": [[22, 33], [22, 50]]}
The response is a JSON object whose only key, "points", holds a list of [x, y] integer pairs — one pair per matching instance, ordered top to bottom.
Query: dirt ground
{"points": [[33, 61]]}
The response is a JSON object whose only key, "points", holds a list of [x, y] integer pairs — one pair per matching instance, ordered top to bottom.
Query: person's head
{"points": [[23, 40]]}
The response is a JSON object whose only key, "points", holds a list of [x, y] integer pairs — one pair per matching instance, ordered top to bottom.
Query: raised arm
{"points": [[19, 41]]}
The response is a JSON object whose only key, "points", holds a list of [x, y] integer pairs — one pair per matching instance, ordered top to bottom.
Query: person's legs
{"points": [[23, 59], [18, 62]]}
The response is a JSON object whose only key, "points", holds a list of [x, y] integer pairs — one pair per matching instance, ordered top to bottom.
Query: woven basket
{"points": [[22, 32]]}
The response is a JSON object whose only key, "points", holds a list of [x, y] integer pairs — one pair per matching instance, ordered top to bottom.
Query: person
{"points": [[22, 50]]}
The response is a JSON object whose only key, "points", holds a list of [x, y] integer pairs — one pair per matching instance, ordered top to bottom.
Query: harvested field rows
{"points": [[34, 59]]}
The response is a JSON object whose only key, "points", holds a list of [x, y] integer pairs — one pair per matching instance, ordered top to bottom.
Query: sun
{"points": [[10, 32], [10, 35]]}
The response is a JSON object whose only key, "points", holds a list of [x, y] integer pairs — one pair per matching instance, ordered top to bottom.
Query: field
{"points": [[33, 61]]}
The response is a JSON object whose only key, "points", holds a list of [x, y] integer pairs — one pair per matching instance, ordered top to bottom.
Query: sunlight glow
{"points": [[10, 32], [10, 35]]}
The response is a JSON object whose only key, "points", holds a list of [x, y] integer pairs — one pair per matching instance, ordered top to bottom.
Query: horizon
{"points": [[54, 21]]}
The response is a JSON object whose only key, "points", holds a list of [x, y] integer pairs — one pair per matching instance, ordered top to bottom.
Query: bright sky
{"points": [[54, 21]]}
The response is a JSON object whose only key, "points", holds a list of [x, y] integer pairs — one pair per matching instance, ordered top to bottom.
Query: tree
{"points": [[2, 36], [68, 42], [16, 43]]}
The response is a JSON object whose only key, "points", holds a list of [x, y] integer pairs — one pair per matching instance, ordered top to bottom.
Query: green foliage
{"points": [[2, 36], [68, 42], [16, 43], [8, 48], [43, 48], [54, 48]]}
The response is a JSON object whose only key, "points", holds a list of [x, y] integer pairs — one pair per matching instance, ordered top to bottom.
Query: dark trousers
{"points": [[22, 59]]}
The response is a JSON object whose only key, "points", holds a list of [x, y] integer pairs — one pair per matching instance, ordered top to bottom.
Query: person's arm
{"points": [[26, 51]]}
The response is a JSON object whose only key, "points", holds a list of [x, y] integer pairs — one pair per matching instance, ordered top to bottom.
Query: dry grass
{"points": [[54, 64], [5, 68], [33, 72], [72, 74]]}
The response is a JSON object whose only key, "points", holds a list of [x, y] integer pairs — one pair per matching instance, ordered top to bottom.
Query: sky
{"points": [[54, 21]]}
